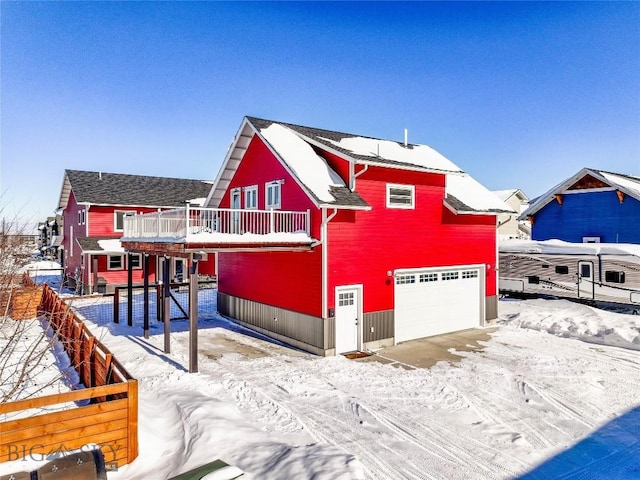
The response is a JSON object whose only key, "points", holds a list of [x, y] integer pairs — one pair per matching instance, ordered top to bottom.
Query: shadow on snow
{"points": [[611, 452]]}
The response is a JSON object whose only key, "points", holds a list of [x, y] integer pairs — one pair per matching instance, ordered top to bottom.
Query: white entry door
{"points": [[585, 280], [347, 319]]}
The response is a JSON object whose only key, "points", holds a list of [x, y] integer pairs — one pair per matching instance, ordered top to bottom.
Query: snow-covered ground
{"points": [[547, 395]]}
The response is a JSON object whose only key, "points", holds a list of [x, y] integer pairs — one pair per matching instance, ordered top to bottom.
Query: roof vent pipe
{"points": [[406, 136], [100, 175]]}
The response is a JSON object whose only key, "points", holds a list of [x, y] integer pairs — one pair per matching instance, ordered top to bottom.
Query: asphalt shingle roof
{"points": [[136, 190], [343, 197], [92, 244]]}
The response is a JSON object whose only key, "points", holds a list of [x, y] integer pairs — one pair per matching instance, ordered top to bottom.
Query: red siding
{"points": [[338, 164], [102, 219], [70, 222], [364, 246], [114, 277], [291, 280]]}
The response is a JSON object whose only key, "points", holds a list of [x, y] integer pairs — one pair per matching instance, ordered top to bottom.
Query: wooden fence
{"points": [[110, 419]]}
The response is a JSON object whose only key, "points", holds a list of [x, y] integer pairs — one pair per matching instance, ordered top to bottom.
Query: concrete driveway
{"points": [[426, 352]]}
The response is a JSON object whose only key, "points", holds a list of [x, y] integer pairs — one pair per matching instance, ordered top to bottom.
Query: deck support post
{"points": [[145, 274], [129, 289], [166, 297], [193, 313]]}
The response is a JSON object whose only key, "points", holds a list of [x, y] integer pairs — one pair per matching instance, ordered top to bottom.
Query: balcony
{"points": [[211, 226]]}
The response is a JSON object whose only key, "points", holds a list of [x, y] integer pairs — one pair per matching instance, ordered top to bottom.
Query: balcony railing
{"points": [[183, 224]]}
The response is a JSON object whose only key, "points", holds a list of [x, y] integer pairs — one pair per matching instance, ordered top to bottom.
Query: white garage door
{"points": [[435, 301]]}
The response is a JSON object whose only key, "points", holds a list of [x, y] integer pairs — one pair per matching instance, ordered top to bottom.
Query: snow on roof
{"points": [[419, 155], [312, 170], [632, 184], [470, 192], [504, 194], [197, 202], [111, 245], [560, 247]]}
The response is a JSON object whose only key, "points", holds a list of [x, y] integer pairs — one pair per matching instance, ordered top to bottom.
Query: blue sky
{"points": [[520, 95]]}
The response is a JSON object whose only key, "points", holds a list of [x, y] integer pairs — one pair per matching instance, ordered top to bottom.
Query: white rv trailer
{"points": [[607, 272]]}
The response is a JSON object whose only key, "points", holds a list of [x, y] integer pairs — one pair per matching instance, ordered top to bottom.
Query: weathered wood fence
{"points": [[109, 417]]}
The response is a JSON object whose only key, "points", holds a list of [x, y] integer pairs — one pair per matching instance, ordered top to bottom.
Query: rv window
{"points": [[545, 265], [562, 269], [585, 270], [614, 277], [534, 279]]}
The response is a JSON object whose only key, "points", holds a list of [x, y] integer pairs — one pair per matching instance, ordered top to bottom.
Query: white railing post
{"points": [[271, 214], [158, 226], [307, 226], [187, 229]]}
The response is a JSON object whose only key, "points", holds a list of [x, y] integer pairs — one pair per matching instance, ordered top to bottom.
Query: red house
{"points": [[94, 205], [397, 242]]}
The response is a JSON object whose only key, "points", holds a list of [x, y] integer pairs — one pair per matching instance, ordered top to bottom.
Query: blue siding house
{"points": [[591, 206]]}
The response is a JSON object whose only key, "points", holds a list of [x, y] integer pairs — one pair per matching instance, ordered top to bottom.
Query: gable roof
{"points": [[295, 146], [587, 179], [101, 188], [505, 195]]}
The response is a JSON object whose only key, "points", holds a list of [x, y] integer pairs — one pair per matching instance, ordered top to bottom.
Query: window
{"points": [[272, 195], [400, 196], [251, 197], [81, 217], [118, 219], [136, 261], [115, 262], [562, 269], [585, 270], [470, 274], [450, 275], [428, 277], [613, 277], [404, 279], [534, 279], [345, 299]]}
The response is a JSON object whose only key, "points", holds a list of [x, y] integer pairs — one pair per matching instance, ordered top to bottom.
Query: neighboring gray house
{"points": [[509, 227]]}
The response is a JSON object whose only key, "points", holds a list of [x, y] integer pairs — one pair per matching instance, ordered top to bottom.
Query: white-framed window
{"points": [[272, 195], [400, 196], [251, 197], [235, 198], [81, 217], [118, 219], [136, 261], [115, 262], [470, 274], [450, 275], [428, 277], [404, 279]]}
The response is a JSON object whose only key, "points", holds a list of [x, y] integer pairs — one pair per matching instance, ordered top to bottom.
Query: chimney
{"points": [[406, 136]]}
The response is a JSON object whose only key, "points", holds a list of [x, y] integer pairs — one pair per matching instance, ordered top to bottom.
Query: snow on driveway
{"points": [[526, 400]]}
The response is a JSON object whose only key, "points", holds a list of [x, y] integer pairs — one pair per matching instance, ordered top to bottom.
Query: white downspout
{"points": [[356, 175], [325, 256], [89, 274]]}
